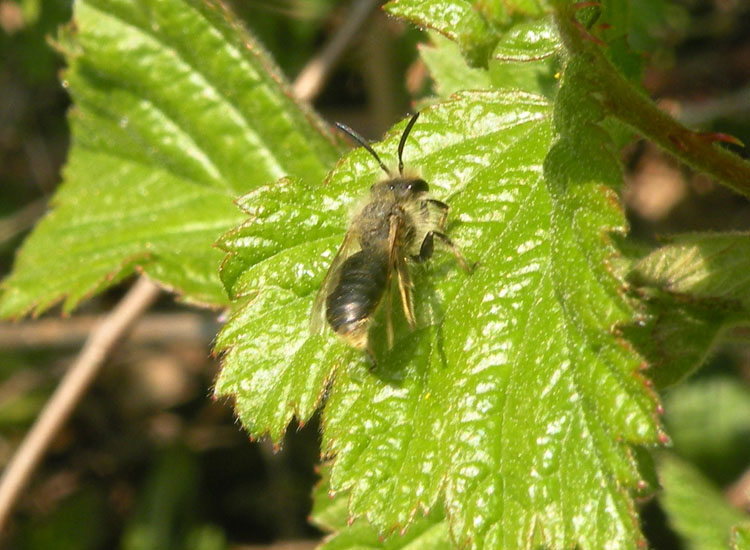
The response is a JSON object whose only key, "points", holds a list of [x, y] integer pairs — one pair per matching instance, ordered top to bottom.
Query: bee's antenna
{"points": [[363, 142], [401, 143]]}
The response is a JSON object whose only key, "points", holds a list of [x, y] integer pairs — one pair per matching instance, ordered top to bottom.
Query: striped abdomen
{"points": [[352, 303]]}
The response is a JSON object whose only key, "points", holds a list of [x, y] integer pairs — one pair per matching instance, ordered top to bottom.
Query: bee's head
{"points": [[402, 189]]}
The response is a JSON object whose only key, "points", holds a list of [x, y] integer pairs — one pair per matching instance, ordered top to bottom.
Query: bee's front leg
{"points": [[428, 246], [426, 249]]}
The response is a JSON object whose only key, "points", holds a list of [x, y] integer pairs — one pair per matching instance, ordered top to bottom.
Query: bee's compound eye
{"points": [[418, 186]]}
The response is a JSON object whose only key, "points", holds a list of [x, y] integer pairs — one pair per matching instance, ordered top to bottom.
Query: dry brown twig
{"points": [[311, 78], [21, 220], [154, 328], [70, 390], [738, 493]]}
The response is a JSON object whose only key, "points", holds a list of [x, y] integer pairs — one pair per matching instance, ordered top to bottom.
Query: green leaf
{"points": [[458, 20], [476, 27], [529, 40], [526, 58], [449, 69], [534, 75], [177, 112], [275, 260], [701, 266], [697, 285], [673, 334], [675, 337], [709, 423], [526, 439], [696, 509], [330, 513], [427, 533]]}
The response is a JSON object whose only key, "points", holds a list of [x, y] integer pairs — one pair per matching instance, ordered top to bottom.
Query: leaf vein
{"points": [[272, 163]]}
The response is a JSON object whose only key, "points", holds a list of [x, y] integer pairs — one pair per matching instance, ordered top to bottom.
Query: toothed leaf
{"points": [[458, 20], [177, 111], [710, 266], [697, 285], [526, 439]]}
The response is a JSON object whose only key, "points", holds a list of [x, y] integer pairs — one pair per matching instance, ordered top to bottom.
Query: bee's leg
{"points": [[440, 205], [393, 229], [426, 249], [405, 290], [389, 310]]}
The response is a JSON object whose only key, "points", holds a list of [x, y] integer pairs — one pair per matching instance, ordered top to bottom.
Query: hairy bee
{"points": [[398, 225]]}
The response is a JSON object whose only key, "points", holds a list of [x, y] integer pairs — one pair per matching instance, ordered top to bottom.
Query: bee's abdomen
{"points": [[352, 303]]}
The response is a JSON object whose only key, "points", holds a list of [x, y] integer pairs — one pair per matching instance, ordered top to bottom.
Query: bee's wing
{"points": [[394, 227], [398, 263], [404, 288], [317, 315]]}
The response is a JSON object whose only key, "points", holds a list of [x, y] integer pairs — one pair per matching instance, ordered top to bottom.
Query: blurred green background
{"points": [[149, 460]]}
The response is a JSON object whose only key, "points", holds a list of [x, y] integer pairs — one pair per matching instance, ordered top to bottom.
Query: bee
{"points": [[398, 225]]}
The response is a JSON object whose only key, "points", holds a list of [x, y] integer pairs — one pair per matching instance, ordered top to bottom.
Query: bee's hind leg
{"points": [[428, 247]]}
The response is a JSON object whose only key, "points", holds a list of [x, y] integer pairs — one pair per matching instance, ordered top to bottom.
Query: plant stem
{"points": [[628, 104]]}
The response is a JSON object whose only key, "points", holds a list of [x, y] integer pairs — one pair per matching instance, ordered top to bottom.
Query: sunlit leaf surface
{"points": [[455, 19], [530, 40], [534, 69], [176, 114], [701, 266], [513, 401], [426, 533]]}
